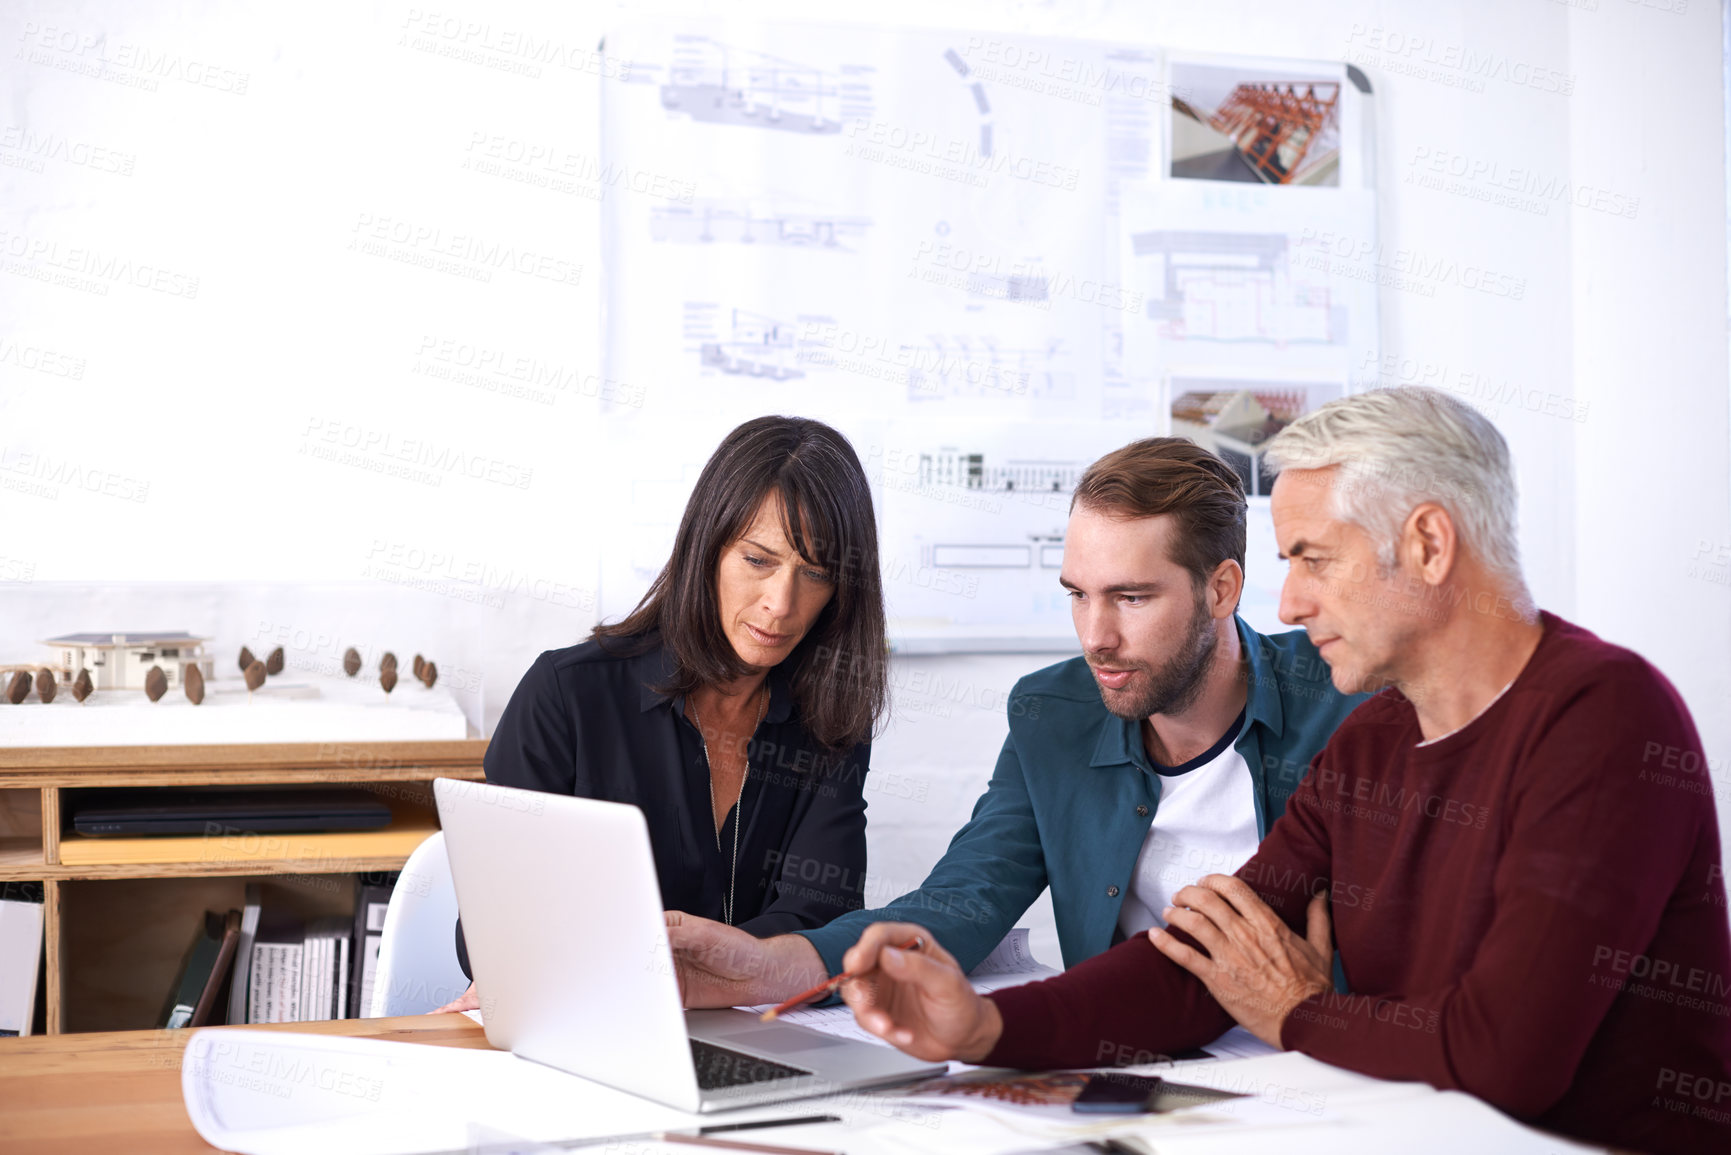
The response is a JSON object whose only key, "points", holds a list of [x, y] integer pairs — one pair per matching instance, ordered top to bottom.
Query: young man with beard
{"points": [[1162, 754], [1548, 928]]}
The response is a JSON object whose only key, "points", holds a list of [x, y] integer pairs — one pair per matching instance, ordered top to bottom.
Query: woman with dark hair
{"points": [[736, 704]]}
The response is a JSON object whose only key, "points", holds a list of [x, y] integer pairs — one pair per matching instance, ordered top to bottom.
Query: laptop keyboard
{"points": [[718, 1067]]}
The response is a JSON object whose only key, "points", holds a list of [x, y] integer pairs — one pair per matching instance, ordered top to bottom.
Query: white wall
{"points": [[151, 432]]}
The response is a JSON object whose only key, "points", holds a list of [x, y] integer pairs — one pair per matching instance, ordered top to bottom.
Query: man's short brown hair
{"points": [[1173, 475]]}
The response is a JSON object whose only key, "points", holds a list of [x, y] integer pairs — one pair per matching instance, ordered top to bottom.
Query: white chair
{"points": [[417, 968]]}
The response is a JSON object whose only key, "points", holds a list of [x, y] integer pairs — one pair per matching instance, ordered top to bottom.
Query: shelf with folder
{"points": [[83, 857], [93, 885], [151, 920]]}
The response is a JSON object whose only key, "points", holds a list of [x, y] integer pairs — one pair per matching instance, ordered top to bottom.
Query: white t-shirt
{"points": [[1205, 824]]}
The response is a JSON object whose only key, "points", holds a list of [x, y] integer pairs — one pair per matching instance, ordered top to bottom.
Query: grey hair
{"points": [[1399, 448]]}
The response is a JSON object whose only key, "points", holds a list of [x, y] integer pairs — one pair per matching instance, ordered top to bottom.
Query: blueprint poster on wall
{"points": [[923, 238]]}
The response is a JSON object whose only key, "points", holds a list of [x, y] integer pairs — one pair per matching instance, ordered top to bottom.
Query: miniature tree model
{"points": [[246, 659], [351, 662], [273, 664], [429, 673], [254, 677], [388, 679], [194, 683], [155, 684], [45, 686], [81, 686], [18, 688]]}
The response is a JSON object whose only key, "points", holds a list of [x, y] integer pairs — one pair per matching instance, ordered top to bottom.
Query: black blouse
{"points": [[587, 722]]}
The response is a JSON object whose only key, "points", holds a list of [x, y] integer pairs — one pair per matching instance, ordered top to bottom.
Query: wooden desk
{"points": [[110, 1091]]}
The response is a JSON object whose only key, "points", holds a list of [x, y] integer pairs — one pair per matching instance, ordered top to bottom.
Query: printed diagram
{"points": [[714, 83], [978, 92], [719, 222], [1022, 288], [1238, 288], [741, 343], [955, 367], [952, 467], [1038, 487]]}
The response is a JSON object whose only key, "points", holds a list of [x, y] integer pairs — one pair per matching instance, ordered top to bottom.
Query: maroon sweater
{"points": [[1530, 910]]}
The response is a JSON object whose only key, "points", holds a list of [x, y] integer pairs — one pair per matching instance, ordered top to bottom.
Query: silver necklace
{"points": [[733, 869]]}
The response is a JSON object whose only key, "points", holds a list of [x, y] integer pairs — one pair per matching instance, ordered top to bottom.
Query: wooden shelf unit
{"points": [[36, 843]]}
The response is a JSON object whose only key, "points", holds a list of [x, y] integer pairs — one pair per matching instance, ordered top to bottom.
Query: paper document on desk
{"points": [[1012, 958], [1239, 1043], [280, 1093], [1425, 1122]]}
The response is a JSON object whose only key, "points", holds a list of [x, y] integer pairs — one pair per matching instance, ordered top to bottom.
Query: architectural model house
{"points": [[121, 661]]}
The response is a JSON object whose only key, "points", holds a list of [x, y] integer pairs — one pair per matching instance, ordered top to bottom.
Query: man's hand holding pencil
{"points": [[917, 998]]}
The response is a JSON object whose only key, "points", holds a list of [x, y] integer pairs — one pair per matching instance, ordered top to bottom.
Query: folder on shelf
{"points": [[372, 898], [20, 954], [195, 968], [207, 999]]}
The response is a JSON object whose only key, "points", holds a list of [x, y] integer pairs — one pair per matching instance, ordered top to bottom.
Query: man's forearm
{"points": [[968, 927], [1125, 1006]]}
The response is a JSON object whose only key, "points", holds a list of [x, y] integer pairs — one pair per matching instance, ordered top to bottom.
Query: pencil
{"points": [[829, 985], [735, 1145]]}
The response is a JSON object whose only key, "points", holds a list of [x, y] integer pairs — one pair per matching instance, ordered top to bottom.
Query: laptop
{"points": [[238, 810], [562, 917]]}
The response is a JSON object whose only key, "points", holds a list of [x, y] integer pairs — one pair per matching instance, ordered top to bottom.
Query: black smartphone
{"points": [[1108, 1092]]}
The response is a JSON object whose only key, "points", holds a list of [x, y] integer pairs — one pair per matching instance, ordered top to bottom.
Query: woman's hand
{"points": [[722, 966], [918, 1000], [467, 1001]]}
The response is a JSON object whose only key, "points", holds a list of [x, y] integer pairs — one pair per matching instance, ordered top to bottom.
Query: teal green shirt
{"points": [[1073, 795]]}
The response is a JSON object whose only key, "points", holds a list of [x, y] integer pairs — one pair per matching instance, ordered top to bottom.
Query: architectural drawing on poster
{"points": [[722, 84], [716, 221], [999, 269], [1237, 287], [740, 342], [958, 366], [974, 531]]}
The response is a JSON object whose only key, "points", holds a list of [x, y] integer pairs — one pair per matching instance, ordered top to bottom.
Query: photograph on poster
{"points": [[1279, 128], [1235, 419]]}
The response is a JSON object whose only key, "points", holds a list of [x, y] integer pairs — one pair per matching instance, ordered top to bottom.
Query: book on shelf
{"points": [[20, 955], [202, 971], [300, 971], [325, 971], [275, 985], [239, 988]]}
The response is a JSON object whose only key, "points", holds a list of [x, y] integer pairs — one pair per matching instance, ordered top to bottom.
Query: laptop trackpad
{"points": [[780, 1040]]}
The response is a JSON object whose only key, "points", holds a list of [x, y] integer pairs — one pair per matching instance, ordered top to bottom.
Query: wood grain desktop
{"points": [[112, 1091]]}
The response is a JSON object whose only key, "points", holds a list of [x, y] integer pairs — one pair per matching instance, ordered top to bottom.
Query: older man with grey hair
{"points": [[1548, 925]]}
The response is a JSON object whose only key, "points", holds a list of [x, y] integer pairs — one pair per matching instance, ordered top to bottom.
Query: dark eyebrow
{"points": [[760, 546], [1297, 550], [1122, 588]]}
